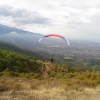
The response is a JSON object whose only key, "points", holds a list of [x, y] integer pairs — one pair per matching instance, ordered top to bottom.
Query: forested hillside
{"points": [[21, 50], [12, 61], [19, 65]]}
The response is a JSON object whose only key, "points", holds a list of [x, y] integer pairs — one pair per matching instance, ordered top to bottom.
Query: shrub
{"points": [[69, 75]]}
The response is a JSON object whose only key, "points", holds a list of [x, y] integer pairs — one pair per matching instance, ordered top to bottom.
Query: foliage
{"points": [[12, 61]]}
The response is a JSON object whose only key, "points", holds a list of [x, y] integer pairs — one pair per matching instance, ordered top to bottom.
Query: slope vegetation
{"points": [[18, 65]]}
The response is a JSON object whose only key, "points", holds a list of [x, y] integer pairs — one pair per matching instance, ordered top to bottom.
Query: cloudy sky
{"points": [[74, 19]]}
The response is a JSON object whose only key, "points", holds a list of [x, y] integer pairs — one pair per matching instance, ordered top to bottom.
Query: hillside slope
{"points": [[24, 51], [15, 64]]}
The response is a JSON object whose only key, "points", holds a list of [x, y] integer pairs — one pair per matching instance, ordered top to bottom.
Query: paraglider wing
{"points": [[53, 35], [56, 35], [40, 39], [66, 41]]}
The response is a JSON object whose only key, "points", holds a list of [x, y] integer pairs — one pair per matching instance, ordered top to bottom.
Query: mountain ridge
{"points": [[7, 29]]}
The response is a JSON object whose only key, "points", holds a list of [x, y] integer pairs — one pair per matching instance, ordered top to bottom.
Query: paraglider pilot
{"points": [[51, 60]]}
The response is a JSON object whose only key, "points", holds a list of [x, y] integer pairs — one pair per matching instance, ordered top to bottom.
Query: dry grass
{"points": [[33, 89]]}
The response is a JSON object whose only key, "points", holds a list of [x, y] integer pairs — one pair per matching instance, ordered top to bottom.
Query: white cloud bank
{"points": [[74, 19]]}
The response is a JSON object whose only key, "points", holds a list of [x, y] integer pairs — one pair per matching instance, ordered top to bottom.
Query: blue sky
{"points": [[74, 19]]}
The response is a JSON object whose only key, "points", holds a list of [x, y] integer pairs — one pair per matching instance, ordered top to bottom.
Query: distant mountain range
{"points": [[6, 29], [19, 37]]}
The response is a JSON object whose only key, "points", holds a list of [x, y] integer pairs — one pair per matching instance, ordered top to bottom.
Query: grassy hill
{"points": [[18, 65], [24, 77]]}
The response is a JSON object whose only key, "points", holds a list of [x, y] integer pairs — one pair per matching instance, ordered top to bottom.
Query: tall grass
{"points": [[57, 89]]}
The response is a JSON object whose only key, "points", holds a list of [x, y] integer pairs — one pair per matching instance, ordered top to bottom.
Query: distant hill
{"points": [[6, 30], [19, 37], [33, 53], [38, 55]]}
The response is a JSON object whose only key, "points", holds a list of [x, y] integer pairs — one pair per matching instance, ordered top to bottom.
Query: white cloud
{"points": [[75, 19]]}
